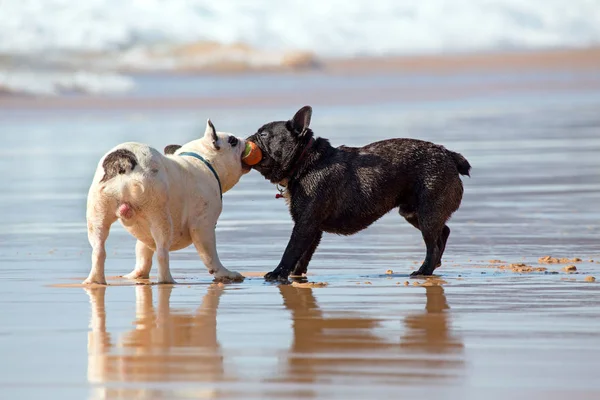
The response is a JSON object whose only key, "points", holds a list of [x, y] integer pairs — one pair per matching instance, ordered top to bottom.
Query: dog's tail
{"points": [[463, 166]]}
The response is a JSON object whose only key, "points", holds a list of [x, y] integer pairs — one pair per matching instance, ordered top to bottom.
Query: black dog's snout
{"points": [[233, 141]]}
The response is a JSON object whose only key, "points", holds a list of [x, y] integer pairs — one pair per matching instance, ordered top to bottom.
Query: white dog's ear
{"points": [[301, 120], [211, 134]]}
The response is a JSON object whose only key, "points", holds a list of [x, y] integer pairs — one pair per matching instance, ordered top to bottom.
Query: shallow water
{"points": [[534, 191]]}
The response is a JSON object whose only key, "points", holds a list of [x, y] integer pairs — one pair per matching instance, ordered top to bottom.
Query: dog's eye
{"points": [[233, 141]]}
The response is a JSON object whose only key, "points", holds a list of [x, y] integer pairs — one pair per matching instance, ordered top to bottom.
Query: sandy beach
{"points": [[499, 321]]}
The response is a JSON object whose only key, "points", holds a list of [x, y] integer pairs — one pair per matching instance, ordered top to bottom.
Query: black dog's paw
{"points": [[421, 272], [276, 276]]}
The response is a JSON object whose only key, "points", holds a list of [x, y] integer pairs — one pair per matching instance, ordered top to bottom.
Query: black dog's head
{"points": [[281, 143]]}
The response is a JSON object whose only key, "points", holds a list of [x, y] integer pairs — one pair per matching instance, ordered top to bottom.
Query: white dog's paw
{"points": [[136, 275], [225, 275], [166, 280], [94, 281]]}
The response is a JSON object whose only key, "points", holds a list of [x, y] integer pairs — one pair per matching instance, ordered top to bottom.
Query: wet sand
{"points": [[482, 329]]}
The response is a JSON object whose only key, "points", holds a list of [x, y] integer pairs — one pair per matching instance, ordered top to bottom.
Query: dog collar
{"points": [[199, 157]]}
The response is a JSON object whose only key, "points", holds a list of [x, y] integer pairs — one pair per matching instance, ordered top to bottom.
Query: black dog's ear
{"points": [[301, 120], [211, 134], [172, 148]]}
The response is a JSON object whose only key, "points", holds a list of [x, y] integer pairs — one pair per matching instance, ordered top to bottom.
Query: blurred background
{"points": [[100, 46], [512, 85]]}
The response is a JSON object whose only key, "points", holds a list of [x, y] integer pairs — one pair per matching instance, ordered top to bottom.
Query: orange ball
{"points": [[252, 154]]}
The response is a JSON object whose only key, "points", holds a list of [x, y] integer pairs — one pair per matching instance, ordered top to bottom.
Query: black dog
{"points": [[344, 190]]}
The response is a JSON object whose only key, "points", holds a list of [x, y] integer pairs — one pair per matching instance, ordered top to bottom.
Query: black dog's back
{"points": [[358, 185]]}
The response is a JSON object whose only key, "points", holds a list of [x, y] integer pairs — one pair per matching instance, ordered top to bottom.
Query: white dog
{"points": [[166, 201]]}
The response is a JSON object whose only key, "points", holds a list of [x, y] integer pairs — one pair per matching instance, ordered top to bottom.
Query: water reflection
{"points": [[430, 332], [166, 345], [336, 347], [169, 348]]}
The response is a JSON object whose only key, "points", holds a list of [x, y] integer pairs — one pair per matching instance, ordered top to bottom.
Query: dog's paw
{"points": [[420, 272], [136, 275], [228, 276], [276, 276]]}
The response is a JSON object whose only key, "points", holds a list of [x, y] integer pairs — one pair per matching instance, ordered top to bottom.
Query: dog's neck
{"points": [[308, 155], [301, 157], [226, 177]]}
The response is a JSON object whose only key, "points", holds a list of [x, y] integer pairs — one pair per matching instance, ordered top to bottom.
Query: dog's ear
{"points": [[301, 120], [211, 134], [172, 148]]}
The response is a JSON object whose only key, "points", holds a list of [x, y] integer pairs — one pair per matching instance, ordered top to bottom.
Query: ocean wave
{"points": [[329, 28], [92, 43], [50, 83]]}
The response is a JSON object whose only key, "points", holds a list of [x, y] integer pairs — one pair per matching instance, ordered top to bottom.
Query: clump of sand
{"points": [[553, 260], [497, 262], [521, 268], [570, 268], [389, 272], [309, 285]]}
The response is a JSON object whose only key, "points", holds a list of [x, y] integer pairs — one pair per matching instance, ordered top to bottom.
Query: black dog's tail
{"points": [[462, 164]]}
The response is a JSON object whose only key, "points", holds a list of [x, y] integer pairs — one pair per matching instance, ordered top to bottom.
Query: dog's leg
{"points": [[413, 219], [98, 230], [161, 230], [432, 233], [203, 236], [302, 238], [442, 243], [432, 256], [143, 262], [302, 264]]}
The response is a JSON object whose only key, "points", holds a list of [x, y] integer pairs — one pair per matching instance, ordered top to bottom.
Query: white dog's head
{"points": [[222, 150]]}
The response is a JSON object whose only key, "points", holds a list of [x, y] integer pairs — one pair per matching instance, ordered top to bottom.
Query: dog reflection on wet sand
{"points": [[166, 345], [347, 345], [175, 348]]}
